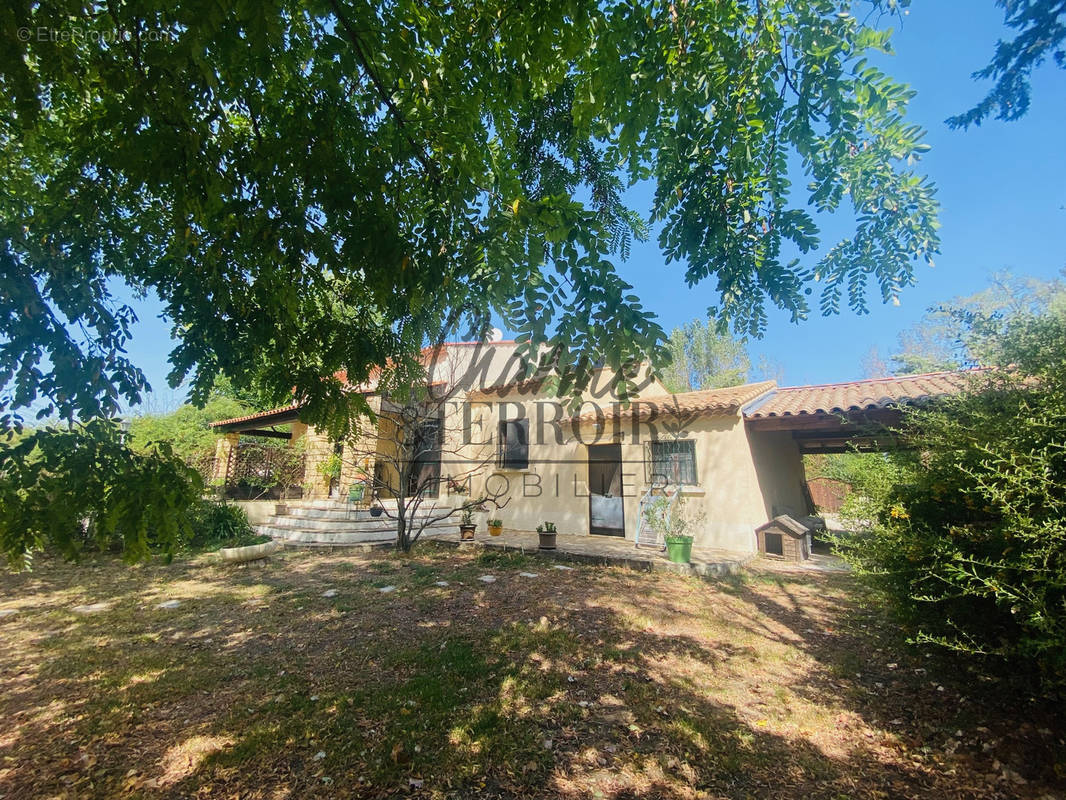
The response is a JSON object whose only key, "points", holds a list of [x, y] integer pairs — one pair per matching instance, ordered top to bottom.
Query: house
{"points": [[482, 431]]}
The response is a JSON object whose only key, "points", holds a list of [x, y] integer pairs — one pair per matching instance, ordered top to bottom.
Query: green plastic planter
{"points": [[356, 492], [679, 549]]}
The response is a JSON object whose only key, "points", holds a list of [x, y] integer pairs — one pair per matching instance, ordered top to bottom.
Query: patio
{"points": [[608, 550]]}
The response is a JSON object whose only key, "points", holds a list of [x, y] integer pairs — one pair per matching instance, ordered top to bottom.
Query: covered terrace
{"points": [[841, 417]]}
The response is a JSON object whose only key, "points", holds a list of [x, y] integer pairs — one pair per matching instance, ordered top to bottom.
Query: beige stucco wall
{"points": [[779, 467], [745, 478], [728, 495], [258, 511]]}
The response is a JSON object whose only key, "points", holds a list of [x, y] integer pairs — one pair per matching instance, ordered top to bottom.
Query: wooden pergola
{"points": [[261, 423], [843, 432]]}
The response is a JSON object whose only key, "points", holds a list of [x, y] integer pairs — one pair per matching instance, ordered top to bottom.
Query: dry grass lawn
{"points": [[580, 683]]}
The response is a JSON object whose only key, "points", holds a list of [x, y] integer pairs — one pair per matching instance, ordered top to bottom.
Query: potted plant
{"points": [[330, 470], [356, 492], [376, 511], [674, 523], [467, 526], [495, 527], [546, 534], [679, 548]]}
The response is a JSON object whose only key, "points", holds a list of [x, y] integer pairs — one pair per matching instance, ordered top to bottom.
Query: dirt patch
{"points": [[593, 682]]}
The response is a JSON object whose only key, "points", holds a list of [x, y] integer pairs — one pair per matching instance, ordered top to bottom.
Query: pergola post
{"points": [[225, 450]]}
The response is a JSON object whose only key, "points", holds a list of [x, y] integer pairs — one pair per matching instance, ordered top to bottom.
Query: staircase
{"points": [[335, 523]]}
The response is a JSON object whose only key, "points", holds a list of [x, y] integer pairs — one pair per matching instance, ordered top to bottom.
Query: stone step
{"points": [[322, 504], [343, 508], [328, 513], [315, 523], [340, 523], [297, 536], [302, 537]]}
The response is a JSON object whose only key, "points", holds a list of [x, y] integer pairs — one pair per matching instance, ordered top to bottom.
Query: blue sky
{"points": [[1002, 189]]}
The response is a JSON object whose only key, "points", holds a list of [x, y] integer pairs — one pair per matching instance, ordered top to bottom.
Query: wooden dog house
{"points": [[786, 538]]}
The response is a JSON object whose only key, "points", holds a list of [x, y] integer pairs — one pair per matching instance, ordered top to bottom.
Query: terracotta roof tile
{"points": [[524, 386], [363, 389], [836, 398], [706, 402], [257, 415]]}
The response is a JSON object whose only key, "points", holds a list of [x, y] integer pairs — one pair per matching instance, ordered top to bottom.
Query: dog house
{"points": [[786, 538]]}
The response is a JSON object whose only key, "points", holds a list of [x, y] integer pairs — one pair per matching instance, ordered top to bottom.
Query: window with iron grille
{"points": [[512, 450], [672, 461]]}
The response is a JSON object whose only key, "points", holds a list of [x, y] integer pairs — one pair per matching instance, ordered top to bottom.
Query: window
{"points": [[513, 448], [673, 461]]}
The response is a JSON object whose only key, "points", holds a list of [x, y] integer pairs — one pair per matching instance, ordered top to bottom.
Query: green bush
{"points": [[187, 428], [871, 476], [78, 487], [214, 524], [970, 533]]}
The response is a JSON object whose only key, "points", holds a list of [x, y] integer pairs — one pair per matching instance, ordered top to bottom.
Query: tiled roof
{"points": [[431, 347], [428, 355], [524, 386], [362, 389], [837, 398], [706, 402], [257, 415]]}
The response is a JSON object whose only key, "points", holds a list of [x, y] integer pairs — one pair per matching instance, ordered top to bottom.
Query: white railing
{"points": [[649, 534]]}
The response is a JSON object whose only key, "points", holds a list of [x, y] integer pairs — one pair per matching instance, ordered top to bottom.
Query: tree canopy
{"points": [[1041, 33], [314, 185], [946, 336], [703, 357], [187, 428], [69, 488]]}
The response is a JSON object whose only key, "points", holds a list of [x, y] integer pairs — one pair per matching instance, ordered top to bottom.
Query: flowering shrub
{"points": [[970, 536]]}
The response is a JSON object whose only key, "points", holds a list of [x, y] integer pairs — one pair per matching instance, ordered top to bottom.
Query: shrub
{"points": [[331, 467], [872, 477], [78, 487], [674, 517], [214, 524], [970, 534]]}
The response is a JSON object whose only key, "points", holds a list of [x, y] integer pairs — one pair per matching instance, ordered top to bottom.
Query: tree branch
{"points": [[401, 122]]}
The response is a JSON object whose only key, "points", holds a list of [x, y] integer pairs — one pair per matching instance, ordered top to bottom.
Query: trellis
{"points": [[263, 472]]}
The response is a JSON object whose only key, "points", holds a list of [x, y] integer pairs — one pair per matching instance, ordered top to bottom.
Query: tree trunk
{"points": [[403, 539]]}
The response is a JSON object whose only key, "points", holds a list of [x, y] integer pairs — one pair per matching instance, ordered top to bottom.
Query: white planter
{"points": [[253, 552]]}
